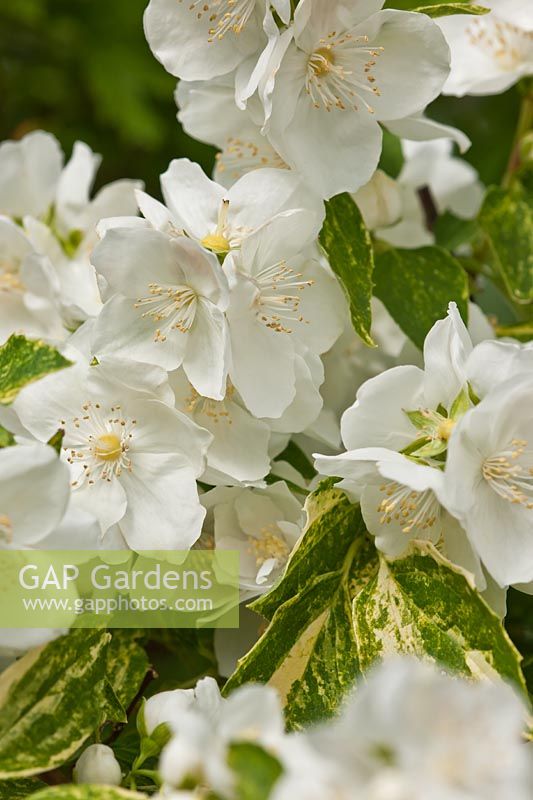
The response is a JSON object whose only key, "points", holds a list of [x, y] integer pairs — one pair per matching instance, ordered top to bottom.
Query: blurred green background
{"points": [[83, 70]]}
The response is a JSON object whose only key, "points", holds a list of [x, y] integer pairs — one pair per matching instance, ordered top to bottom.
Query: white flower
{"points": [[200, 39], [492, 52], [347, 69], [453, 183], [393, 209], [57, 213], [221, 219], [29, 289], [282, 299], [168, 308], [493, 362], [239, 451], [133, 459], [390, 465], [488, 482], [34, 494], [263, 525], [169, 707], [441, 736], [198, 750], [98, 765]]}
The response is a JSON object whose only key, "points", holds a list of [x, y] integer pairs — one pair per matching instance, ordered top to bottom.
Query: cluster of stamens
{"points": [[224, 16], [504, 42], [340, 73], [239, 157], [278, 299], [175, 306], [216, 410], [103, 443], [510, 473], [410, 509], [269, 544]]}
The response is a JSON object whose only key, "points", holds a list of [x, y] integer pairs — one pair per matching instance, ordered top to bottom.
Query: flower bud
{"points": [[380, 201], [98, 765]]}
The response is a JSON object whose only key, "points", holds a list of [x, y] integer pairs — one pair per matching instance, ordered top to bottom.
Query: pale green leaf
{"points": [[447, 9], [507, 220], [348, 246], [417, 285], [23, 361], [422, 605], [84, 791]]}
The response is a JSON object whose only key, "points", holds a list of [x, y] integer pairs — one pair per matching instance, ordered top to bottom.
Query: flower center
{"points": [[224, 15], [505, 43], [322, 61], [340, 73], [219, 240], [278, 299], [174, 306], [216, 410], [445, 428], [99, 441], [108, 447], [510, 473], [410, 509], [6, 528], [269, 544]]}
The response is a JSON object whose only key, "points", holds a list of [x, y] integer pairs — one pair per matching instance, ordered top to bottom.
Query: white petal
{"points": [[186, 48], [411, 69], [29, 172], [75, 185], [192, 197], [121, 331], [446, 350], [207, 351], [263, 370], [378, 417], [34, 491], [163, 511]]}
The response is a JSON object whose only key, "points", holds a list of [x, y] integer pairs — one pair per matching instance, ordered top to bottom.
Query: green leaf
{"points": [[447, 9], [507, 220], [451, 231], [348, 246], [417, 285], [23, 361], [6, 438], [296, 457], [422, 605], [340, 606], [309, 652], [50, 702], [255, 771], [20, 789], [84, 791]]}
